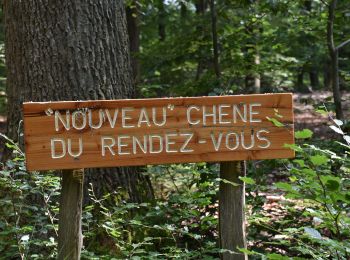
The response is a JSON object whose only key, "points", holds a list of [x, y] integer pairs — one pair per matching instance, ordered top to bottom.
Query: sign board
{"points": [[86, 134]]}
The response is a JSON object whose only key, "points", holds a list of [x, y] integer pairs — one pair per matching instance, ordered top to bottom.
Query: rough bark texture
{"points": [[70, 50], [231, 210], [70, 239]]}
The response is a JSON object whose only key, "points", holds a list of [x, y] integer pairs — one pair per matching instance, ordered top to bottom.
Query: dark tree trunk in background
{"points": [[201, 7], [183, 10], [161, 20], [133, 21], [214, 39], [71, 50], [334, 55], [327, 76], [314, 80], [300, 85]]}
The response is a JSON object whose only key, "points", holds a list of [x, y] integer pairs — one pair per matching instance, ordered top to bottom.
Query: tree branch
{"points": [[324, 2], [330, 25], [343, 44]]}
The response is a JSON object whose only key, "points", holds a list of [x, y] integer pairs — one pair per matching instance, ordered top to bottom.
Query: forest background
{"points": [[295, 209]]}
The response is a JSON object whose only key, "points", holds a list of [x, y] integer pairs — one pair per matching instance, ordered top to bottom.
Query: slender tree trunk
{"points": [[201, 6], [161, 20], [133, 21], [214, 39], [71, 50], [334, 54], [327, 76], [257, 77], [314, 80], [231, 199]]}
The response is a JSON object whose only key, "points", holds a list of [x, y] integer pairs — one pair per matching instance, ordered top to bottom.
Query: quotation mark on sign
{"points": [[171, 107], [49, 112]]}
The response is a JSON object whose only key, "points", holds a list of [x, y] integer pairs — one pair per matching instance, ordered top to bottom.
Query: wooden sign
{"points": [[86, 134]]}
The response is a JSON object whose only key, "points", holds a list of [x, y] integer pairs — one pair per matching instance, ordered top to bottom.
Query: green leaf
{"points": [[321, 111], [275, 121], [305, 133], [294, 147], [319, 160], [300, 162], [247, 180], [228, 182], [332, 183], [284, 186], [277, 257]]}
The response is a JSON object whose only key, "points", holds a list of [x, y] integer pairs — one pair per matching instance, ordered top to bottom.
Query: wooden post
{"points": [[231, 210], [70, 237]]}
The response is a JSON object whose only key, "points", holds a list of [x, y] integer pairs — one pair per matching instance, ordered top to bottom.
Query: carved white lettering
{"points": [[252, 113], [208, 114], [223, 114], [100, 116], [115, 116], [154, 116], [79, 117], [125, 117], [143, 118], [189, 119], [65, 123], [262, 138], [232, 140], [136, 142], [169, 142], [217, 142], [151, 143], [121, 144], [109, 146], [184, 148], [80, 151], [54, 154]]}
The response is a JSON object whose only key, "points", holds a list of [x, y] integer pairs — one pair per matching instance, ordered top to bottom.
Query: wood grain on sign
{"points": [[85, 134]]}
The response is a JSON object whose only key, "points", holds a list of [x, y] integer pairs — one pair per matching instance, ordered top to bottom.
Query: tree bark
{"points": [[71, 50], [334, 55], [231, 210]]}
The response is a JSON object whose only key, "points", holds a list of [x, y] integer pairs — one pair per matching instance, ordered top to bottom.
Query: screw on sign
{"points": [[86, 134]]}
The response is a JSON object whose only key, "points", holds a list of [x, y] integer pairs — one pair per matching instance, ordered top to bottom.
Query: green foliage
{"points": [[28, 210], [312, 219], [315, 222], [181, 225]]}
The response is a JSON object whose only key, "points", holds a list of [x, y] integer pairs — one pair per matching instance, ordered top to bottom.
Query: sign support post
{"points": [[231, 210], [70, 237]]}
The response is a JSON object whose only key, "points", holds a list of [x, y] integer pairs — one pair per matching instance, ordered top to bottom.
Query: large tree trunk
{"points": [[71, 50]]}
